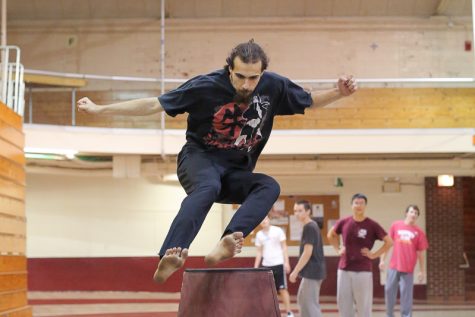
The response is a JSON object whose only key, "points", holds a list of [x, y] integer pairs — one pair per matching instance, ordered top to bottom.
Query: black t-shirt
{"points": [[219, 123], [315, 268]]}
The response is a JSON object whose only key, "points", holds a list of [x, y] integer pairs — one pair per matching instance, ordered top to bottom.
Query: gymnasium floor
{"points": [[144, 304]]}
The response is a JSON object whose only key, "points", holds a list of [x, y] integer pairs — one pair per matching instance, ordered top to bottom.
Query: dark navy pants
{"points": [[215, 176]]}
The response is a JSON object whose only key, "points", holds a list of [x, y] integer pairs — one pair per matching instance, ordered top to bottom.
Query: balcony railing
{"points": [[12, 90]]}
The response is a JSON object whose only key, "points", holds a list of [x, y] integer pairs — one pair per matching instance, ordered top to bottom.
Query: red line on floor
{"points": [[64, 301], [158, 314]]}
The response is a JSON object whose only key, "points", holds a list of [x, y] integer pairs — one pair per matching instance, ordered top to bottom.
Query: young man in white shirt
{"points": [[272, 250]]}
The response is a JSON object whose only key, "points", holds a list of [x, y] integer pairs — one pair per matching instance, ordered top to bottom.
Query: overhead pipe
{"points": [[162, 75]]}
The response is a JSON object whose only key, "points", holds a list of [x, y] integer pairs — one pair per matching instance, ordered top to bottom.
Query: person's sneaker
{"points": [[290, 314]]}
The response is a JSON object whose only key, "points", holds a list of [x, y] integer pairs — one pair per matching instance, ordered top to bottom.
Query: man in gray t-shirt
{"points": [[311, 265]]}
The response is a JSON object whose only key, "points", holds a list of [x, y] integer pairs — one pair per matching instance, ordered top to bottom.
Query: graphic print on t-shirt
{"points": [[238, 126], [362, 233], [406, 236]]}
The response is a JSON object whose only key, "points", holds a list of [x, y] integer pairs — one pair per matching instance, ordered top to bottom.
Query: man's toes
{"points": [[238, 235], [184, 254]]}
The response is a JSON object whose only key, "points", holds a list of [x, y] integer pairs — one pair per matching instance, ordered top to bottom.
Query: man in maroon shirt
{"points": [[355, 277]]}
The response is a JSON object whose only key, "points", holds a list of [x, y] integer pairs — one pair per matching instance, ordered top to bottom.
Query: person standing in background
{"points": [[410, 243], [272, 251], [311, 264], [355, 276]]}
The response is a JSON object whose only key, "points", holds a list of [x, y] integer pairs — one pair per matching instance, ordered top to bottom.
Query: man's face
{"points": [[245, 77], [358, 206], [300, 212], [412, 215], [265, 223]]}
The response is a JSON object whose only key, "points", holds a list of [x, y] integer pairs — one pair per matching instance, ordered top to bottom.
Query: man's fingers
{"points": [[83, 101]]}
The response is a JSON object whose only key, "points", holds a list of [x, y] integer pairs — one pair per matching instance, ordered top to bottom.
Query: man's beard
{"points": [[243, 98]]}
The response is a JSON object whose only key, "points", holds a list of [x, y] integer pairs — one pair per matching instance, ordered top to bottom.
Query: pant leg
{"points": [[200, 176], [255, 192], [406, 283], [390, 291], [363, 293], [344, 294], [308, 298]]}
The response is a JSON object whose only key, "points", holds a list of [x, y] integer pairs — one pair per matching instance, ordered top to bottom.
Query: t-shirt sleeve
{"points": [[183, 98], [294, 99], [338, 227], [379, 231], [392, 231], [282, 235], [309, 235], [258, 242], [423, 244]]}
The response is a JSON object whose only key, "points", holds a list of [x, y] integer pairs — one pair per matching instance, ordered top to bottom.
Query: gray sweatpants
{"points": [[405, 283], [354, 290], [308, 298]]}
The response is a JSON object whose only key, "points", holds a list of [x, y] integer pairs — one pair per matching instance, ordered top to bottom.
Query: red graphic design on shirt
{"points": [[238, 126]]}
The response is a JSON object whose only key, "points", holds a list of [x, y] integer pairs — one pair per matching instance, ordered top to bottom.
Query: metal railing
{"points": [[12, 90]]}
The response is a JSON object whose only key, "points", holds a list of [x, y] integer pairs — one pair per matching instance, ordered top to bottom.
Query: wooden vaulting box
{"points": [[13, 270]]}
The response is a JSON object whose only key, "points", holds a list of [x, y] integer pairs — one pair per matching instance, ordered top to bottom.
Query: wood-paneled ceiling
{"points": [[118, 9]]}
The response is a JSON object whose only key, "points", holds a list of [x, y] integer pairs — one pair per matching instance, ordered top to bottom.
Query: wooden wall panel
{"points": [[368, 108], [10, 117], [11, 134], [12, 152], [12, 170], [11, 189], [12, 207], [12, 225], [12, 244], [12, 263], [13, 274], [13, 281], [12, 300], [18, 312]]}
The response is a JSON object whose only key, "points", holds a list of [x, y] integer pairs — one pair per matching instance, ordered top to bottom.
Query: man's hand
{"points": [[346, 85], [86, 105], [341, 251], [367, 253], [381, 266], [287, 268], [420, 276], [293, 277]]}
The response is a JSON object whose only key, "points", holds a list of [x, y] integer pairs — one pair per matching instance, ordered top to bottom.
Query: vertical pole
{"points": [[4, 23], [473, 29], [4, 55], [162, 73], [30, 105], [73, 107]]}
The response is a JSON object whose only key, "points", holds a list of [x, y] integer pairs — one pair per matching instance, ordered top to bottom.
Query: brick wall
{"points": [[444, 223], [469, 234]]}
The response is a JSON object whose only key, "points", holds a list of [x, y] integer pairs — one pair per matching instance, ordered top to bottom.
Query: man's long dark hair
{"points": [[249, 52]]}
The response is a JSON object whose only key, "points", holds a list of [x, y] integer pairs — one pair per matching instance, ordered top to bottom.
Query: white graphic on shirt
{"points": [[255, 116], [362, 233], [405, 235]]}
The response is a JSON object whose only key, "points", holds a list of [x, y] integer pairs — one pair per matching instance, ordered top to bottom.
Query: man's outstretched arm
{"points": [[345, 87], [135, 107]]}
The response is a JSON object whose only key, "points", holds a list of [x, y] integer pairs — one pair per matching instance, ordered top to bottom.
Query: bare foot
{"points": [[227, 247], [173, 260]]}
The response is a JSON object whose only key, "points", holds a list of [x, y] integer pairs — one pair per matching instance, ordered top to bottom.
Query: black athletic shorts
{"points": [[279, 276]]}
